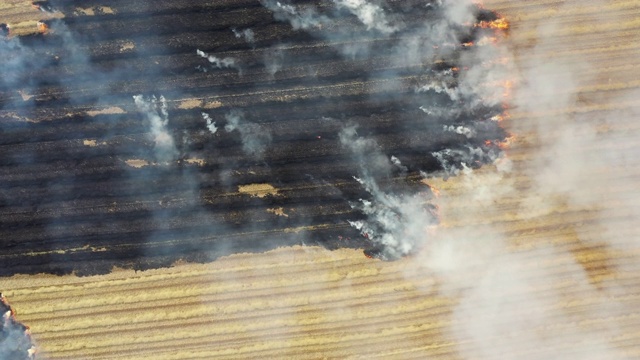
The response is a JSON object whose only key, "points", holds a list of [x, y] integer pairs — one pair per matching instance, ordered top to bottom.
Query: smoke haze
{"points": [[395, 100], [526, 294]]}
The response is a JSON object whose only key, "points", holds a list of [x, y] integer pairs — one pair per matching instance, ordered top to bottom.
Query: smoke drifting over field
{"points": [[421, 83], [464, 94], [155, 110], [322, 121], [530, 296], [15, 338]]}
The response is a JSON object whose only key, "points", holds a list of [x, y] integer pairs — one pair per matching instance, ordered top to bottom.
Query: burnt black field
{"points": [[69, 202]]}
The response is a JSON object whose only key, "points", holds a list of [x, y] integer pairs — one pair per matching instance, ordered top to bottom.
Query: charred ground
{"points": [[70, 201]]}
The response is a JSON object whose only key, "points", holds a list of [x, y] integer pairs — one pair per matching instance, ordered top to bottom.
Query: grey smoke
{"points": [[274, 59], [14, 65], [155, 111], [462, 130], [255, 138], [397, 222], [526, 296]]}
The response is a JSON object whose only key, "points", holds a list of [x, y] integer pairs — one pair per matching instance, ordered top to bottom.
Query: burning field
{"points": [[128, 133], [223, 146]]}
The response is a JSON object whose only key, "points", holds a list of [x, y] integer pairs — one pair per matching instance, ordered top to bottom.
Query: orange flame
{"points": [[498, 24], [43, 28], [468, 44], [506, 143]]}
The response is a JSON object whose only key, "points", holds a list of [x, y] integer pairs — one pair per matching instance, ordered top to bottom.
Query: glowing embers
{"points": [[501, 144], [15, 338]]}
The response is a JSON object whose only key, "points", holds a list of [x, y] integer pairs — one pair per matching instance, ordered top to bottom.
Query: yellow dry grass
{"points": [[258, 190], [311, 303]]}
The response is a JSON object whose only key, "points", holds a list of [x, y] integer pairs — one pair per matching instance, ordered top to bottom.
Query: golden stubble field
{"points": [[536, 257]]}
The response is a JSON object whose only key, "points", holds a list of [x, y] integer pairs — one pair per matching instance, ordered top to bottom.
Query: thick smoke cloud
{"points": [[371, 15], [20, 61], [211, 125], [498, 283], [527, 295], [513, 299]]}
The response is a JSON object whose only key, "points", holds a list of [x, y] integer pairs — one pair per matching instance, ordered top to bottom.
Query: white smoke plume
{"points": [[458, 11], [371, 15], [303, 18], [246, 34], [220, 63], [441, 87], [155, 111], [211, 125], [462, 130], [255, 138], [398, 164], [396, 222]]}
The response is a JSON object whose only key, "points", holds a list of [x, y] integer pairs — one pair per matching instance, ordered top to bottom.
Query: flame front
{"points": [[498, 24], [43, 28]]}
